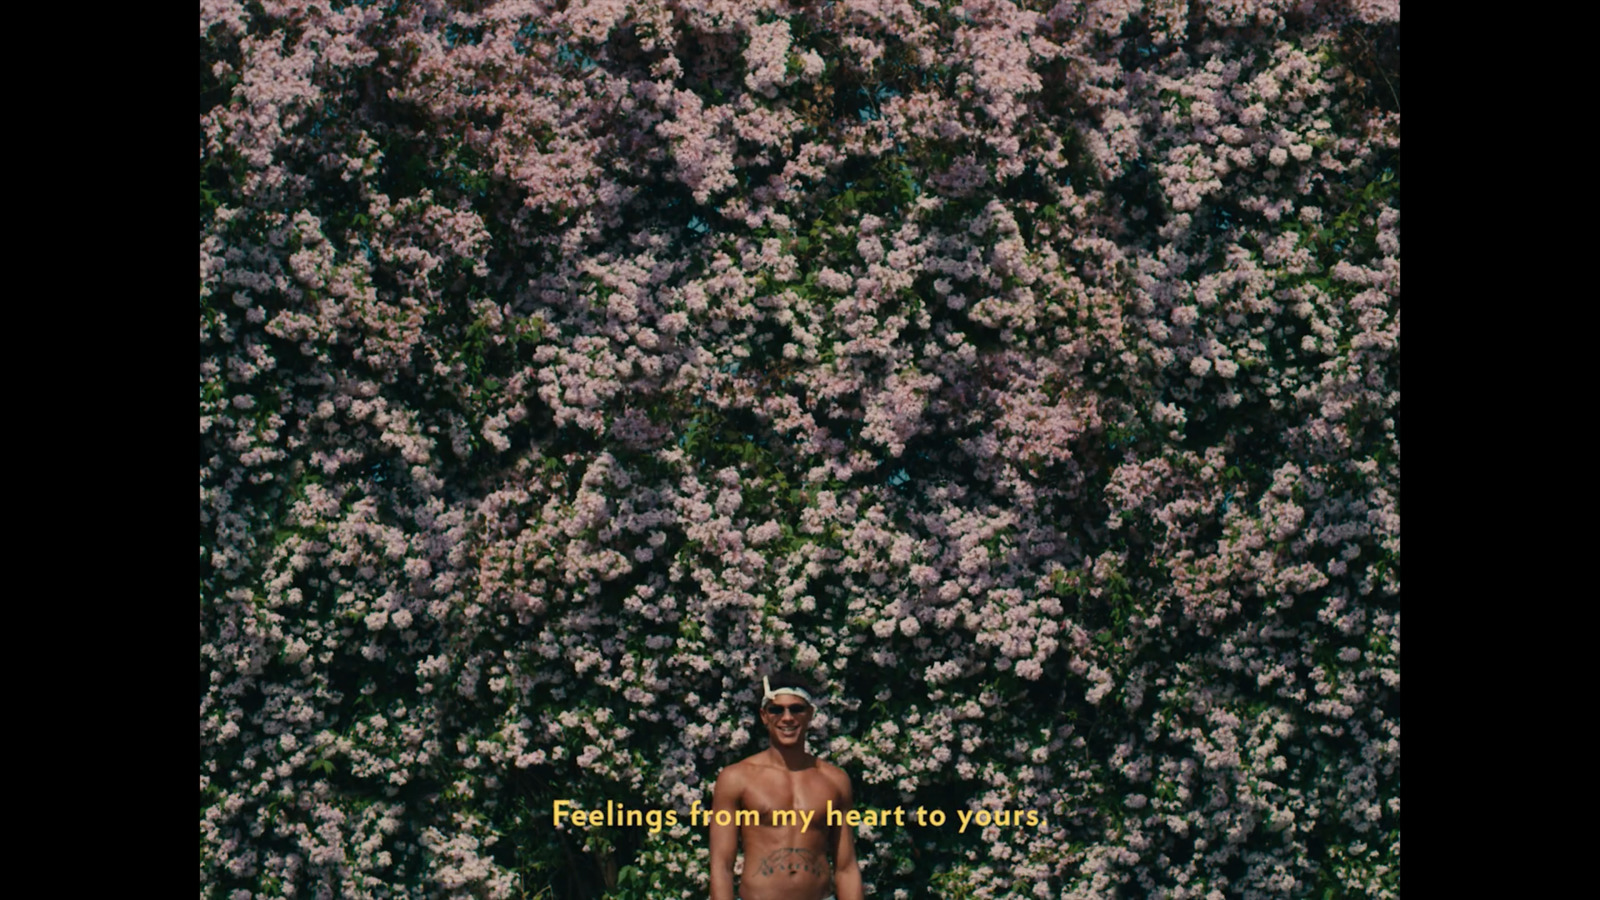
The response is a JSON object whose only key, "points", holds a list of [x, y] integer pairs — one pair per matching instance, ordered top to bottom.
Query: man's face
{"points": [[787, 717]]}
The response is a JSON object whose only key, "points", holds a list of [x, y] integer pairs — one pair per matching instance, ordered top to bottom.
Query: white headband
{"points": [[769, 694]]}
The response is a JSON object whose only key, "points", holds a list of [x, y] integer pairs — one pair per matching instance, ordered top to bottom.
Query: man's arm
{"points": [[725, 838], [846, 875]]}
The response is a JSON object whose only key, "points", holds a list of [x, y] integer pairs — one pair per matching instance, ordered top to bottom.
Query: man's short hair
{"points": [[789, 678]]}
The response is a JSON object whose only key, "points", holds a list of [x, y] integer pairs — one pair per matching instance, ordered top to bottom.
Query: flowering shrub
{"points": [[1026, 372]]}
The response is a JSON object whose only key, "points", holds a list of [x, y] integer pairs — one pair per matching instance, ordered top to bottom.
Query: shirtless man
{"points": [[786, 855]]}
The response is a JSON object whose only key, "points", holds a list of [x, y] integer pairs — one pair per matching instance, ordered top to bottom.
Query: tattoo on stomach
{"points": [[791, 860]]}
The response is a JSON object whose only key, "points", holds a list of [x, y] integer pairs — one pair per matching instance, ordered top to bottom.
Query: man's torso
{"points": [[786, 857]]}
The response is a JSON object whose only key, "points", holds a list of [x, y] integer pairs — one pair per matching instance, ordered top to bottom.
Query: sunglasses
{"points": [[795, 709]]}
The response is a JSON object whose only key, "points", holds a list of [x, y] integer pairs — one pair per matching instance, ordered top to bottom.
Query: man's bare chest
{"points": [[789, 798]]}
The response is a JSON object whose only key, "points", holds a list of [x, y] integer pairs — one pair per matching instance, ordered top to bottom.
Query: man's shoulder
{"points": [[758, 762], [749, 763], [738, 771], [833, 773]]}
